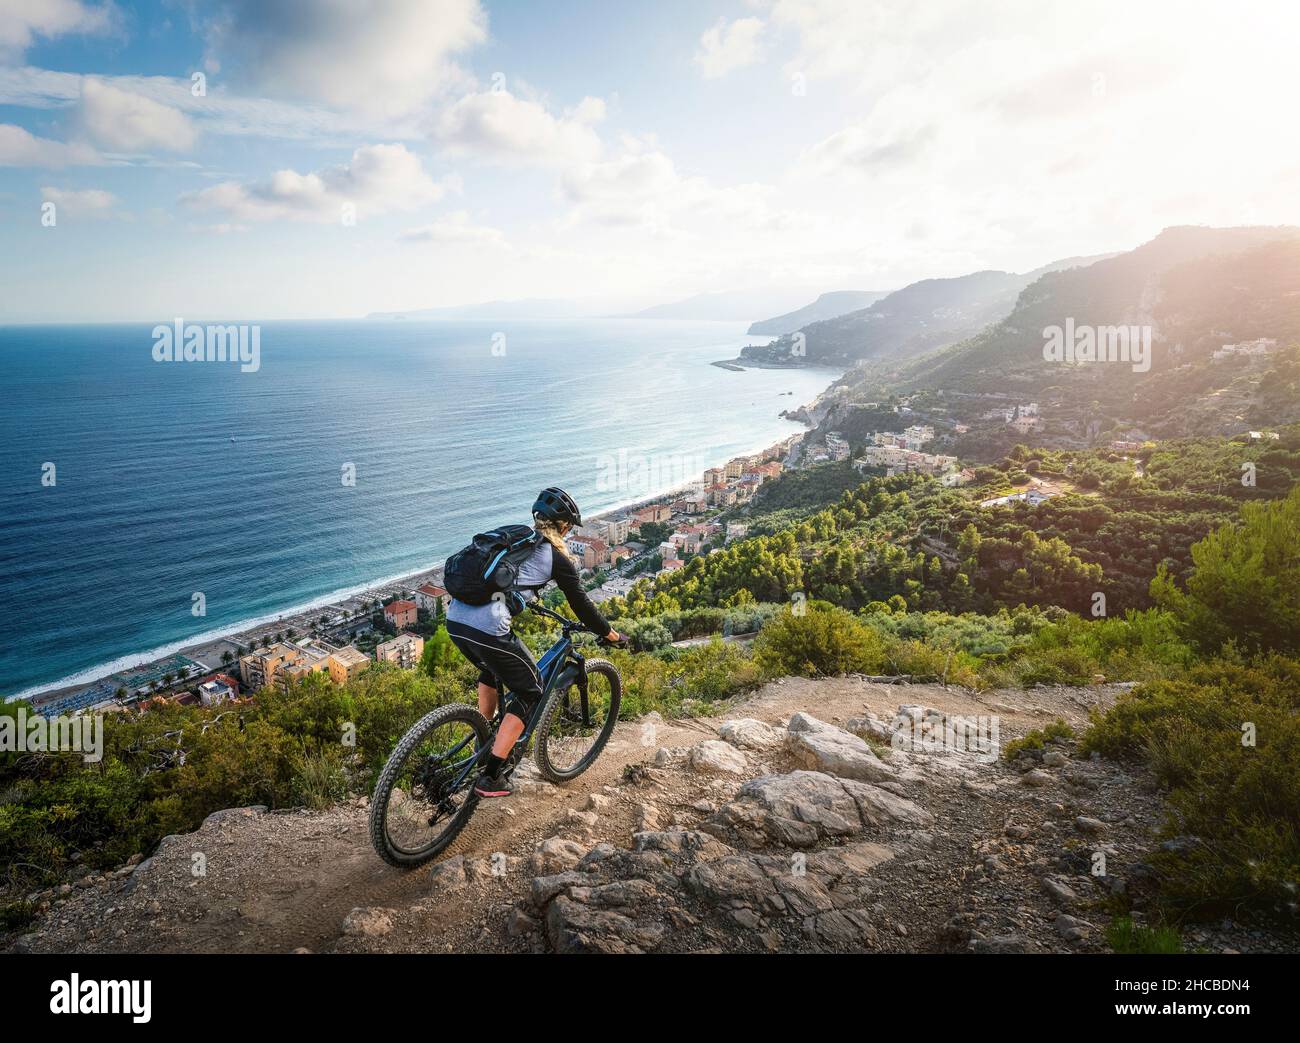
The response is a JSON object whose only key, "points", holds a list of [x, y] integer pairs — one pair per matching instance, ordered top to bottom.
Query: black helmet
{"points": [[556, 505]]}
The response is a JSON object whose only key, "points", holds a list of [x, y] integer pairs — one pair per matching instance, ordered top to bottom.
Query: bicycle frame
{"points": [[559, 666]]}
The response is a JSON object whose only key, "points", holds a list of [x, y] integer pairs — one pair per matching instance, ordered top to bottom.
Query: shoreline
{"points": [[210, 645]]}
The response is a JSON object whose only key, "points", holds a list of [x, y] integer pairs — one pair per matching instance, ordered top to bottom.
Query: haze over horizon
{"points": [[810, 145]]}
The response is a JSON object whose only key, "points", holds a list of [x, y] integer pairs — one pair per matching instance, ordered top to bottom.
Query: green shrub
{"points": [[822, 640], [945, 664], [1061, 665], [714, 671], [668, 679], [1034, 741], [320, 776], [1239, 803], [15, 916], [1124, 936]]}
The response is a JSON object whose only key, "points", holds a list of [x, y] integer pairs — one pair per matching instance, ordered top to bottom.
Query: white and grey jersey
{"points": [[538, 569]]}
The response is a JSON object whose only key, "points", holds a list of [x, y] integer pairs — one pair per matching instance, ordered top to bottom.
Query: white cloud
{"points": [[21, 21], [729, 46], [380, 59], [219, 112], [121, 121], [502, 127], [897, 134], [21, 148], [633, 175], [380, 178], [642, 188], [83, 202], [456, 229]]}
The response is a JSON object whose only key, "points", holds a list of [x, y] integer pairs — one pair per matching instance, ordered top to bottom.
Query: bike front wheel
{"points": [[571, 734], [424, 796]]}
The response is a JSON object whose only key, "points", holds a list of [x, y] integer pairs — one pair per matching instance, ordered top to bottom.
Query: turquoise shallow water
{"points": [[450, 427]]}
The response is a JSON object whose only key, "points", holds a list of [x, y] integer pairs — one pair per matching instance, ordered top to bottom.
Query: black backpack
{"points": [[489, 566]]}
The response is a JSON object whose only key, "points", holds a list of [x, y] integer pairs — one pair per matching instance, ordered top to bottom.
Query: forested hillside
{"points": [[1196, 288], [934, 548]]}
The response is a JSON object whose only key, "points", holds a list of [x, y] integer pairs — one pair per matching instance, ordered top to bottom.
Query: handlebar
{"points": [[569, 625], [572, 625]]}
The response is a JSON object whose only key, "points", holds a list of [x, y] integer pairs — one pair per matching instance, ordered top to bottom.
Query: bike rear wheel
{"points": [[568, 742], [424, 795]]}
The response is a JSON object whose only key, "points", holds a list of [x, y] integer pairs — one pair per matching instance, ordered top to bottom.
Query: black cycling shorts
{"points": [[503, 662]]}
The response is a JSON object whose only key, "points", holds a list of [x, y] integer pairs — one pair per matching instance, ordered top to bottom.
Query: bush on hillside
{"points": [[1245, 587], [822, 640], [939, 662], [1238, 802]]}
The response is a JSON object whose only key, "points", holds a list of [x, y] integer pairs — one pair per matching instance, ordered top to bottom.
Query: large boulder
{"points": [[870, 725], [750, 734], [819, 746], [717, 758], [804, 808], [681, 841], [555, 855], [574, 926]]}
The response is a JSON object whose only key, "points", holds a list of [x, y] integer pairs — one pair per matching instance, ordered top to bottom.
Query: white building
{"points": [[916, 436], [1033, 497], [431, 597], [214, 691]]}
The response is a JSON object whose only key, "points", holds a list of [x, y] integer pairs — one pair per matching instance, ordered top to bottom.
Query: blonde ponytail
{"points": [[552, 533]]}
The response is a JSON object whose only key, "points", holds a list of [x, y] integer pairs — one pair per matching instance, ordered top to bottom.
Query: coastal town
{"points": [[390, 623]]}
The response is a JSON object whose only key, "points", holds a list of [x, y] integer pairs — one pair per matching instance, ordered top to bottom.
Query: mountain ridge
{"points": [[827, 306], [919, 317]]}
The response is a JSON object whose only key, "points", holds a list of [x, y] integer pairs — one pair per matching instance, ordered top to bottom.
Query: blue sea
{"points": [[176, 478]]}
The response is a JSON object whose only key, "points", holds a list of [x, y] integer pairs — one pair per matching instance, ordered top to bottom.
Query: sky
{"points": [[237, 160]]}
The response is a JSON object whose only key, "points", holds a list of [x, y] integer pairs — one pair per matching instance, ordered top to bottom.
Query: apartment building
{"points": [[916, 436], [837, 446], [895, 460], [736, 467], [655, 512], [616, 531], [687, 542], [588, 551], [431, 598], [401, 613], [405, 650], [292, 660], [345, 663], [262, 666]]}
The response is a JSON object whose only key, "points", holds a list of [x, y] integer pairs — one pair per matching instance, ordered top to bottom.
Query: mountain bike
{"points": [[425, 794]]}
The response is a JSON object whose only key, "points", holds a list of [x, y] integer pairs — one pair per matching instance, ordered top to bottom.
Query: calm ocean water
{"points": [[153, 501]]}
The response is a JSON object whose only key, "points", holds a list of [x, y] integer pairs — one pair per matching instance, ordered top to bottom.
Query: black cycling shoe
{"points": [[492, 785]]}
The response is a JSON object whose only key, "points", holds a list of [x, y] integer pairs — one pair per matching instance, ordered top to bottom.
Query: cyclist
{"points": [[483, 633]]}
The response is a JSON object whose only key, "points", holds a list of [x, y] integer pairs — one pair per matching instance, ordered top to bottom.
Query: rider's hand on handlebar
{"points": [[614, 640]]}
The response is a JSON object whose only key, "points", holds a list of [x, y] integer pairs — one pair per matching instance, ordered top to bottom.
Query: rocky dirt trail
{"points": [[787, 823]]}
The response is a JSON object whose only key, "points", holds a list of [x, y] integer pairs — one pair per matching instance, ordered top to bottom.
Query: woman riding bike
{"points": [[483, 632]]}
